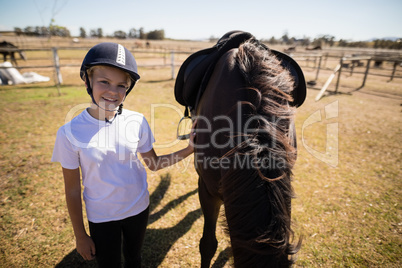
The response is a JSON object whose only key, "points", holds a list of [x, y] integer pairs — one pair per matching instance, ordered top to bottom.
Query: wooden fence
{"points": [[166, 59], [317, 61], [373, 66]]}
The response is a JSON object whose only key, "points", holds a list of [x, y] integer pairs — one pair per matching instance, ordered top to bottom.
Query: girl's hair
{"points": [[91, 70]]}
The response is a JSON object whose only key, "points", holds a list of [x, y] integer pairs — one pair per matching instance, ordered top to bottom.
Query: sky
{"points": [[353, 20]]}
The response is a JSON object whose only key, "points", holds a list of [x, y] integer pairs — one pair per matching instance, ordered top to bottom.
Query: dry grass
{"points": [[349, 215]]}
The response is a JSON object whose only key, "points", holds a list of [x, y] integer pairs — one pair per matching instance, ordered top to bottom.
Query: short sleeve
{"points": [[146, 137], [64, 152]]}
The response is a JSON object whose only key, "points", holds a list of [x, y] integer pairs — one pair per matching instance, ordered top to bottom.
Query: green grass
{"points": [[349, 215]]}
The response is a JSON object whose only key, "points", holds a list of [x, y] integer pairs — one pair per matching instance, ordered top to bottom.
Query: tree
{"points": [[28, 30], [56, 30], [18, 31], [45, 31], [83, 33], [92, 33], [96, 33], [100, 33], [133, 33], [120, 34], [142, 34], [156, 35], [285, 38], [213, 39], [324, 40], [273, 41], [305, 41], [331, 41], [317, 42]]}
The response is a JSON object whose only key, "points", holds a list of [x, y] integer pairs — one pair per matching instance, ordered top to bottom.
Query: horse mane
{"points": [[270, 86], [263, 192]]}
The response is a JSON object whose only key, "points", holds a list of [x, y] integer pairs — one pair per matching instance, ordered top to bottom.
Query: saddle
{"points": [[197, 69]]}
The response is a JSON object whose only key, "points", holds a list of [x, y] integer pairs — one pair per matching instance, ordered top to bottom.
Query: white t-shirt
{"points": [[114, 179]]}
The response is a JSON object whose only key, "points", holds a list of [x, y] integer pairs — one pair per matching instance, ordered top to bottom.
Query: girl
{"points": [[101, 145]]}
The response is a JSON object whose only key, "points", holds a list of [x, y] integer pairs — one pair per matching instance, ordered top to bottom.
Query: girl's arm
{"points": [[155, 162], [72, 185]]}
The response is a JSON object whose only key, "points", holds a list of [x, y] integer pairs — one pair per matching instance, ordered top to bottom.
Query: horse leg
{"points": [[210, 206]]}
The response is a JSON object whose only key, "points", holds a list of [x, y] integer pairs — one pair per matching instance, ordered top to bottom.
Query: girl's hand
{"points": [[155, 162], [86, 247]]}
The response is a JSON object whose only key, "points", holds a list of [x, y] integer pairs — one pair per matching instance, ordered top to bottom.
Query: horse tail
{"points": [[257, 196]]}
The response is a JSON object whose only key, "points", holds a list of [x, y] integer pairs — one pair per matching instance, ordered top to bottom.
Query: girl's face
{"points": [[109, 86]]}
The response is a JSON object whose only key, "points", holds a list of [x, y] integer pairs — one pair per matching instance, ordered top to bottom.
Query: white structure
{"points": [[11, 76]]}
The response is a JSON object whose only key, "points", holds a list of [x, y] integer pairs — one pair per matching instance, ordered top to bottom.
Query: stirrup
{"points": [[186, 116]]}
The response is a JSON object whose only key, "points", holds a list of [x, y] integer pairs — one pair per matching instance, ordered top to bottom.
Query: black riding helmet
{"points": [[110, 54]]}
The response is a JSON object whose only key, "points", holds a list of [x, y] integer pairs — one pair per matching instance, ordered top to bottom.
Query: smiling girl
{"points": [[97, 149]]}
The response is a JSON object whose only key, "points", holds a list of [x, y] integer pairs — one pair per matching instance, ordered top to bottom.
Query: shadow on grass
{"points": [[158, 195], [157, 241], [73, 259], [222, 259]]}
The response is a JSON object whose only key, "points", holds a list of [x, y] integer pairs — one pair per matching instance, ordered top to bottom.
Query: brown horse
{"points": [[9, 49], [245, 146]]}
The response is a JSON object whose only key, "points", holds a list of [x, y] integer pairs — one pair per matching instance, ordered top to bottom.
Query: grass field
{"points": [[348, 205]]}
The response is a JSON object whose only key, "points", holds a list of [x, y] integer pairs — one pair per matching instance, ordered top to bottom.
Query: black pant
{"points": [[108, 238]]}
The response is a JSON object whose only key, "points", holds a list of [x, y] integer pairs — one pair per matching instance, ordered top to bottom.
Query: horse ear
{"points": [[299, 90]]}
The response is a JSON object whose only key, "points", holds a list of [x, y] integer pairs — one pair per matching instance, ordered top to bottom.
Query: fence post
{"points": [[325, 60], [172, 61], [352, 67], [318, 69], [393, 70], [366, 73], [339, 75], [59, 79], [324, 88]]}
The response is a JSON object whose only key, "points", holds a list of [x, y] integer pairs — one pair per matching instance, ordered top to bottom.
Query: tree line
{"points": [[55, 30], [324, 40], [329, 40]]}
